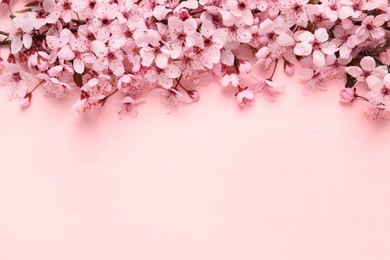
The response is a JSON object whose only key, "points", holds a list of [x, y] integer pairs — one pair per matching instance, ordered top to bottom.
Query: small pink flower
{"points": [[242, 9], [372, 27], [20, 34], [316, 44], [108, 57], [39, 61], [244, 66], [367, 68], [230, 79], [16, 80], [379, 93], [245, 97], [169, 98], [127, 107]]}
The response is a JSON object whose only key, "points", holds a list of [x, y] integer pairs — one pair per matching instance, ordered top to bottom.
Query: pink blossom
{"points": [[65, 7], [241, 9], [294, 12], [103, 21], [372, 27], [182, 33], [20, 34], [316, 44], [97, 48], [108, 57], [39, 61], [244, 66], [366, 69], [163, 77], [230, 79], [16, 80], [54, 87], [268, 89], [379, 93], [245, 97], [169, 98], [127, 107]]}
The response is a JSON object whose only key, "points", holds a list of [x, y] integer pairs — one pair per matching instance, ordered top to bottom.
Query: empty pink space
{"points": [[303, 178]]}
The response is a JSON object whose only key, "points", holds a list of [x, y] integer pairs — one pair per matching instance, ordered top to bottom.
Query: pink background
{"points": [[303, 178]]}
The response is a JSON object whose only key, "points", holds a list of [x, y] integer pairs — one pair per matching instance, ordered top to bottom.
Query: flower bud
{"points": [[11, 59], [289, 68], [194, 95], [347, 95], [25, 101]]}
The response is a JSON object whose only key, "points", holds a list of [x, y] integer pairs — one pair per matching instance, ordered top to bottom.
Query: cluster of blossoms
{"points": [[131, 48]]}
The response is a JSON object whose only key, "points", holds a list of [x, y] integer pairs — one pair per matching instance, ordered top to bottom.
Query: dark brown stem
{"points": [[79, 22], [4, 33], [3, 43], [273, 72], [178, 83], [36, 87], [365, 99], [103, 101]]}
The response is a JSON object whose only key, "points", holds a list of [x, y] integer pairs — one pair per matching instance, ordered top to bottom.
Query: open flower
{"points": [[20, 34], [316, 44], [109, 57], [367, 68], [16, 80], [379, 93], [245, 97], [127, 107]]}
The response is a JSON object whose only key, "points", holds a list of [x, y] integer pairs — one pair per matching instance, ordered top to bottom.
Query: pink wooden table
{"points": [[303, 178]]}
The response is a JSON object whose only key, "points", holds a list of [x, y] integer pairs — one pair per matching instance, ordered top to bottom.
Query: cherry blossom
{"points": [[20, 34], [316, 44], [97, 50], [367, 68], [245, 97]]}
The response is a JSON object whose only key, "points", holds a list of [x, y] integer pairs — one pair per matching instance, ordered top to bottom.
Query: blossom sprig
{"points": [[125, 49]]}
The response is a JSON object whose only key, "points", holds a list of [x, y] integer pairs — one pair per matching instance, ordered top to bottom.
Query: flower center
{"points": [[92, 4], [67, 5], [241, 5], [297, 8], [41, 13], [105, 21], [369, 27], [19, 32], [91, 36], [182, 36], [271, 36], [207, 42], [316, 44], [110, 55], [16, 77], [385, 91]]}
